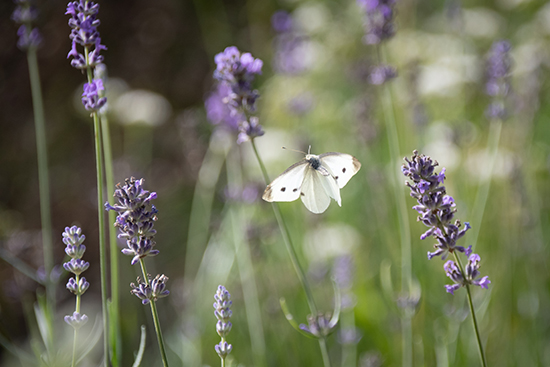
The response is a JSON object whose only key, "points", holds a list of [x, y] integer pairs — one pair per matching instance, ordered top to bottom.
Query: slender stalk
{"points": [[485, 182], [402, 217], [101, 219], [113, 247], [293, 256], [245, 265], [77, 309], [155, 317], [474, 318]]}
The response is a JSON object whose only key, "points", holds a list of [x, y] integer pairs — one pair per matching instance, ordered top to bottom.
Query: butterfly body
{"points": [[315, 179]]}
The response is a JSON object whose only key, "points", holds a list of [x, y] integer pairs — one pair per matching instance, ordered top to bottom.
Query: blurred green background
{"points": [[160, 63]]}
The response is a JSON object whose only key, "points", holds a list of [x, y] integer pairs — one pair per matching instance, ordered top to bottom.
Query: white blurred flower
{"points": [[141, 107], [478, 164], [329, 241]]}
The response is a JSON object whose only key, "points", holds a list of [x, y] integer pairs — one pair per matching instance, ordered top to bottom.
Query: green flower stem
{"points": [[43, 179], [485, 183], [402, 216], [237, 219], [101, 220], [114, 252], [293, 257], [77, 309], [472, 311], [155, 317]]}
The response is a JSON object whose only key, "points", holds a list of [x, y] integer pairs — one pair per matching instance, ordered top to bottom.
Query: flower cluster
{"points": [[24, 14], [378, 20], [84, 32], [291, 48], [237, 71], [381, 74], [498, 79], [218, 112], [436, 210], [136, 218], [73, 239], [470, 274], [151, 290], [223, 313], [319, 326]]}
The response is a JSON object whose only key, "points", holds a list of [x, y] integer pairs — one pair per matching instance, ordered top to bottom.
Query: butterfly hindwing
{"points": [[342, 166], [287, 186], [313, 194]]}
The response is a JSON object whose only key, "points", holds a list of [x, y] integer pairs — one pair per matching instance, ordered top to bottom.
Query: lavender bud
{"points": [[378, 21], [499, 64], [381, 74], [91, 96], [249, 130], [76, 266], [150, 292], [223, 311], [77, 320], [320, 325], [223, 349]]}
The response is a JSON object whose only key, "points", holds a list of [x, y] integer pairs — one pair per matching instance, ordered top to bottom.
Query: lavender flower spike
{"points": [[25, 14], [378, 21], [498, 79], [436, 209], [136, 217], [471, 273], [151, 291], [223, 313]]}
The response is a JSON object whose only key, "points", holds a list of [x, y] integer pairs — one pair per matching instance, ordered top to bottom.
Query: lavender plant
{"points": [[85, 37], [237, 71], [498, 79], [436, 210], [135, 221], [73, 239], [223, 313]]}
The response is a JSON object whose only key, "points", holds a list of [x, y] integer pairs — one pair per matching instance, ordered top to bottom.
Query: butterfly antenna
{"points": [[294, 150]]}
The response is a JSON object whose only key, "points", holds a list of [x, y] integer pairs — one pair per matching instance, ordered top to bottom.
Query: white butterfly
{"points": [[315, 180]]}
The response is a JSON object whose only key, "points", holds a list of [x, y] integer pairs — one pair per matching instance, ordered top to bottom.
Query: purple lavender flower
{"points": [[25, 14], [281, 21], [378, 21], [84, 32], [237, 71], [381, 74], [498, 79], [91, 98], [218, 112], [436, 209], [136, 217], [342, 273], [471, 273], [152, 290], [223, 313]]}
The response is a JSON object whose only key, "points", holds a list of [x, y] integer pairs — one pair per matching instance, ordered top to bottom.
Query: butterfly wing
{"points": [[342, 166], [287, 186], [313, 194]]}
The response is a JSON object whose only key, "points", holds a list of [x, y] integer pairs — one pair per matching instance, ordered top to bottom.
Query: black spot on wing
{"points": [[344, 170], [336, 177], [283, 189], [295, 190], [303, 194]]}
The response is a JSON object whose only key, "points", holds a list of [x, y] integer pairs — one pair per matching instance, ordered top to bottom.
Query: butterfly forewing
{"points": [[342, 166], [287, 186], [313, 194]]}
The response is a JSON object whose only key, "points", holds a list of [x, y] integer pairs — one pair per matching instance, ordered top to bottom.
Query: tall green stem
{"points": [[43, 179], [402, 216], [101, 221], [113, 247], [293, 256], [155, 317], [474, 318]]}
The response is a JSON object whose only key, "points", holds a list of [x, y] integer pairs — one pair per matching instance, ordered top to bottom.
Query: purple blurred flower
{"points": [[25, 14], [281, 21], [378, 21], [499, 64], [381, 74], [91, 97], [218, 112], [249, 130], [436, 209], [136, 217], [471, 273], [222, 311], [77, 320], [319, 326]]}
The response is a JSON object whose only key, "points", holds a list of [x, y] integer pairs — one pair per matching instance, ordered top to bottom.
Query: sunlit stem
{"points": [[402, 215], [101, 219], [293, 256], [472, 311], [155, 316]]}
